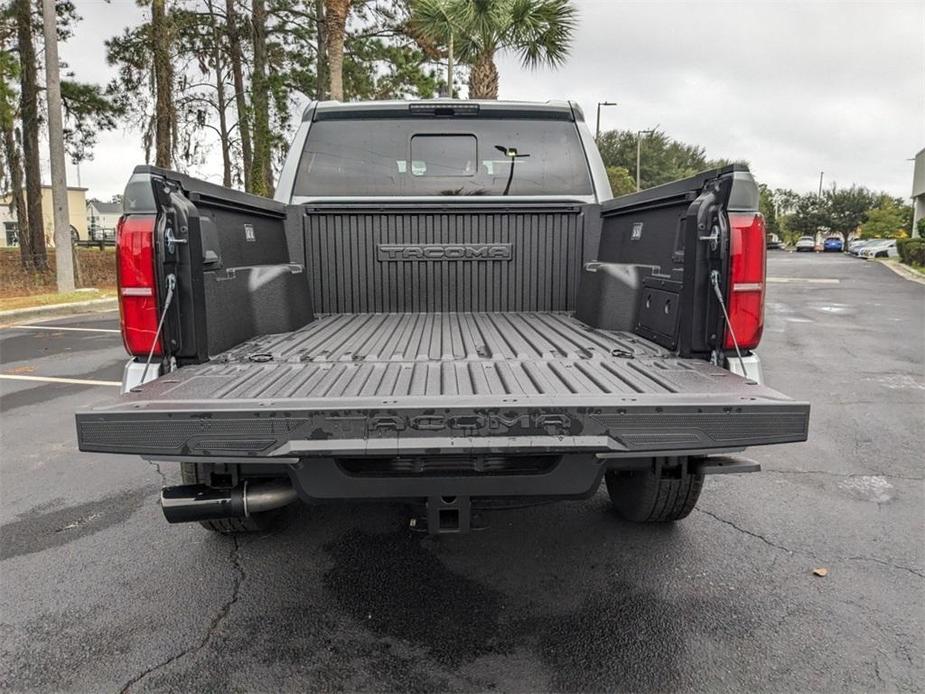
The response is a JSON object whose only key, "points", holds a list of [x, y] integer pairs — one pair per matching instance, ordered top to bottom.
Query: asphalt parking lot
{"points": [[99, 593]]}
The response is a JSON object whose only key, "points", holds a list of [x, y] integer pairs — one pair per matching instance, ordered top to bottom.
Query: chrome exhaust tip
{"points": [[188, 503]]}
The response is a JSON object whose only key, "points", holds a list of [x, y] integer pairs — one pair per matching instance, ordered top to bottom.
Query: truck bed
{"points": [[428, 383]]}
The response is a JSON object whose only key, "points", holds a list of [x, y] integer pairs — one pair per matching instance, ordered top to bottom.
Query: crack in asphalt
{"points": [[160, 472], [841, 474], [748, 532], [768, 542], [886, 563], [214, 624]]}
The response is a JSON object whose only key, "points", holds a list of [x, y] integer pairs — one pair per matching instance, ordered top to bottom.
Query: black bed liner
{"points": [[428, 383]]}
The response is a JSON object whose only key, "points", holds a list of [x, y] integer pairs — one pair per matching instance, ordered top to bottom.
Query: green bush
{"points": [[912, 251]]}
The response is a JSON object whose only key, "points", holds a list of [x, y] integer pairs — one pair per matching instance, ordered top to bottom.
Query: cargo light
{"points": [[747, 274], [137, 284]]}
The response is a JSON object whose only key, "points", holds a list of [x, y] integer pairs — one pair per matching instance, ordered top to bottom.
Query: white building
{"points": [[918, 190], [76, 209], [102, 218]]}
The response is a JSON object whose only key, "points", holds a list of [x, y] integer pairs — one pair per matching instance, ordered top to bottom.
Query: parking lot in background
{"points": [[100, 593]]}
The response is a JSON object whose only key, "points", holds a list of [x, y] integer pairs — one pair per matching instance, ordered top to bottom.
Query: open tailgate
{"points": [[437, 383]]}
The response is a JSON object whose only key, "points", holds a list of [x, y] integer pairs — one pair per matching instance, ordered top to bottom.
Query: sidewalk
{"points": [[904, 271], [21, 315]]}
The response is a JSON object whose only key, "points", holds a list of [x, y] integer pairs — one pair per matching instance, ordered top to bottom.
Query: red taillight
{"points": [[747, 278], [137, 284]]}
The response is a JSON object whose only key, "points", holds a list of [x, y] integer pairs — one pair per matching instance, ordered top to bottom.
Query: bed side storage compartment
{"points": [[660, 247], [231, 255], [609, 294], [244, 302]]}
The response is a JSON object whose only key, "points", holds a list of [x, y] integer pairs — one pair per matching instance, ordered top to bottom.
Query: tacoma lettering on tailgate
{"points": [[444, 251], [554, 424]]}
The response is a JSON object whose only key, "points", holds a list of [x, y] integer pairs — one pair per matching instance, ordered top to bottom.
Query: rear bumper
{"points": [[572, 475]]}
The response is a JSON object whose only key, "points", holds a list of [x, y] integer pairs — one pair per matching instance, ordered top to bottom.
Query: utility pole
{"points": [[597, 129], [639, 134], [820, 183], [64, 261]]}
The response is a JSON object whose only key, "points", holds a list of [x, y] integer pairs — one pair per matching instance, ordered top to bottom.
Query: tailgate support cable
{"points": [[714, 280], [171, 286]]}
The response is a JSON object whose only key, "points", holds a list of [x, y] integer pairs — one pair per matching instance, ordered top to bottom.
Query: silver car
{"points": [[805, 243], [855, 247], [885, 248]]}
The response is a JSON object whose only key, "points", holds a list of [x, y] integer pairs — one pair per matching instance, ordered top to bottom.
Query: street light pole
{"points": [[597, 129], [639, 134], [820, 183]]}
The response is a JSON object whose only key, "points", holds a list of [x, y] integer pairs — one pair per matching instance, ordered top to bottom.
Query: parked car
{"points": [[99, 234], [774, 242], [805, 243], [833, 244], [854, 247], [885, 248], [428, 316]]}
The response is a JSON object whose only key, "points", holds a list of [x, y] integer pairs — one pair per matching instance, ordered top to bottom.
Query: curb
{"points": [[903, 271], [18, 315]]}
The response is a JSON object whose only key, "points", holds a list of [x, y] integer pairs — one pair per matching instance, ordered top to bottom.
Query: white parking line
{"points": [[61, 327], [54, 379]]}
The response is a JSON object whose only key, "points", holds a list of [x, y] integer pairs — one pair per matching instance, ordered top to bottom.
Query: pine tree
{"points": [[29, 113]]}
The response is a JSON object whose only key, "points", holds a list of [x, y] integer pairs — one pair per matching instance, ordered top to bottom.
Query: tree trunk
{"points": [[335, 19], [449, 65], [321, 73], [483, 78], [163, 85], [220, 96], [240, 98], [29, 112], [14, 161], [261, 172]]}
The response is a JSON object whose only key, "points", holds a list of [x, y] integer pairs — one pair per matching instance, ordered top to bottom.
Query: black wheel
{"points": [[647, 496], [256, 522]]}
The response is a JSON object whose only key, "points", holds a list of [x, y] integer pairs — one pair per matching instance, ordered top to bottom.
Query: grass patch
{"points": [[915, 267], [14, 302]]}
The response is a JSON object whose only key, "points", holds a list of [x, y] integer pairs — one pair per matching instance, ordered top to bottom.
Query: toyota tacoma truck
{"points": [[444, 305]]}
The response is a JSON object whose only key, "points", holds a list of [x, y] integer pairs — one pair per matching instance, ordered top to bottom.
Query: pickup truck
{"points": [[444, 305]]}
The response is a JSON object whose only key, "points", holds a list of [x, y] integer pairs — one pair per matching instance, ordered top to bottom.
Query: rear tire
{"points": [[647, 496], [256, 522]]}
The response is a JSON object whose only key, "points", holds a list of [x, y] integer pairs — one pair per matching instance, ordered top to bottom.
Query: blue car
{"points": [[833, 244]]}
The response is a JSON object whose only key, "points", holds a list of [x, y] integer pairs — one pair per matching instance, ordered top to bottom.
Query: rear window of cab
{"points": [[442, 157]]}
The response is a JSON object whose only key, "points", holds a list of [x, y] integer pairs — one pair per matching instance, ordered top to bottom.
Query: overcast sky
{"points": [[794, 88]]}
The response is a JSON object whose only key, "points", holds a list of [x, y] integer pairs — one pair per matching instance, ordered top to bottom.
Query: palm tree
{"points": [[435, 23], [335, 29], [539, 31]]}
